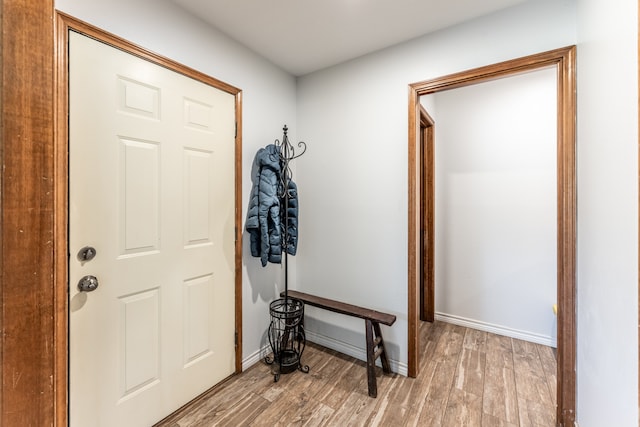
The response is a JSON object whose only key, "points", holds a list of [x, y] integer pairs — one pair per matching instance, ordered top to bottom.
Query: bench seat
{"points": [[373, 334]]}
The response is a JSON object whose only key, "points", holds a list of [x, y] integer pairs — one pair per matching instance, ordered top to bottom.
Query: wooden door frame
{"points": [[65, 24], [564, 61], [33, 214], [427, 216], [33, 252], [33, 377]]}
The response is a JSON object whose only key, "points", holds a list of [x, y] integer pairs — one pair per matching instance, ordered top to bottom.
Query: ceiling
{"points": [[302, 36]]}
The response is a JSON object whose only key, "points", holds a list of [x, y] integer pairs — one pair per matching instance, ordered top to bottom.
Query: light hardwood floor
{"points": [[467, 378]]}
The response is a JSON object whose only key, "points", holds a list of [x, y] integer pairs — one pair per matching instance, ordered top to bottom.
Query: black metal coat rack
{"points": [[287, 154], [286, 330]]}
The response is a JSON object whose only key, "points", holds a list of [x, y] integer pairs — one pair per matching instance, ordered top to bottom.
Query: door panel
{"points": [[152, 190]]}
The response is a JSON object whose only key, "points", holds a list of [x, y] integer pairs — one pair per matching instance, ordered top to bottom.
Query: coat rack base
{"points": [[286, 337]]}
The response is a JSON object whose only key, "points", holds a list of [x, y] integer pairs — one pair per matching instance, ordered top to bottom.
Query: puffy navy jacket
{"points": [[266, 209]]}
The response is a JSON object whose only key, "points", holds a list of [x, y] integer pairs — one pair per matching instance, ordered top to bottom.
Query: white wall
{"points": [[268, 103], [496, 205], [607, 213], [353, 243]]}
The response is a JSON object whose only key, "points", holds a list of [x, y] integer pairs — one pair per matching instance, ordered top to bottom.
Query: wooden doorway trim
{"points": [[564, 61], [427, 216], [33, 278], [32, 386]]}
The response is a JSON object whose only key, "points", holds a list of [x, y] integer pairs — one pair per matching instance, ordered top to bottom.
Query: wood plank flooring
{"points": [[467, 378]]}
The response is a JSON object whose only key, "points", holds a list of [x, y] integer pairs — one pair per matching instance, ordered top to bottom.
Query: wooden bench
{"points": [[372, 318]]}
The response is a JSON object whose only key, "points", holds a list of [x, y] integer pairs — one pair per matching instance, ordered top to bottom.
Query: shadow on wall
{"points": [[266, 282]]}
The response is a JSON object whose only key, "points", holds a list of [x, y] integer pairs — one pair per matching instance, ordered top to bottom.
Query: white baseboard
{"points": [[497, 329], [339, 346], [255, 357]]}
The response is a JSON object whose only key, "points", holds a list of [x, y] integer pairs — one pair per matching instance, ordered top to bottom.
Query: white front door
{"points": [[152, 191]]}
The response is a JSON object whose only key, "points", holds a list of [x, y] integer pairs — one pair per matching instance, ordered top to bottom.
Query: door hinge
{"points": [[236, 131], [235, 338]]}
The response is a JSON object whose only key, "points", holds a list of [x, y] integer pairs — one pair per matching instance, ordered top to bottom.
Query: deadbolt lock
{"points": [[87, 253]]}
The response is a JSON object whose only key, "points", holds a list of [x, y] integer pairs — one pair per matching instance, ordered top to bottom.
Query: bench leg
{"points": [[371, 361], [386, 368]]}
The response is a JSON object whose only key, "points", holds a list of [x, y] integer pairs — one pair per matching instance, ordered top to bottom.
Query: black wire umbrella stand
{"points": [[286, 330]]}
